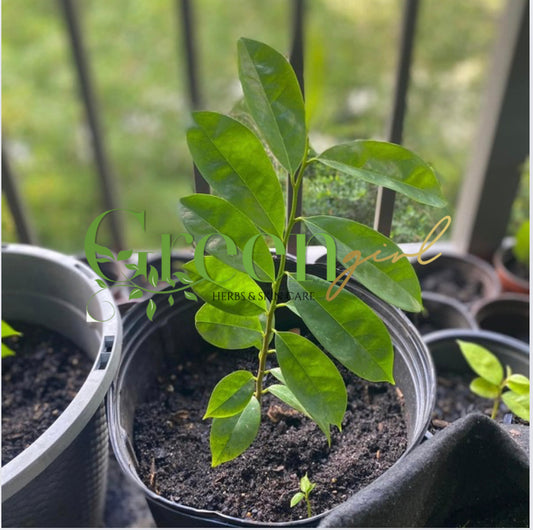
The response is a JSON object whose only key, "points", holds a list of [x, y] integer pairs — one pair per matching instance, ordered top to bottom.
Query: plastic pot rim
{"points": [[473, 334], [44, 450]]}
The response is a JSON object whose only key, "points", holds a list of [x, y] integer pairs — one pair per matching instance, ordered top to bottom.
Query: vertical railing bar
{"points": [[186, 18], [296, 59], [87, 94], [501, 142], [385, 198], [25, 232]]}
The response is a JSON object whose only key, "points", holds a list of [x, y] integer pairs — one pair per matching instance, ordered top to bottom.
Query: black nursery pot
{"points": [[463, 277], [441, 312], [507, 314], [172, 333]]}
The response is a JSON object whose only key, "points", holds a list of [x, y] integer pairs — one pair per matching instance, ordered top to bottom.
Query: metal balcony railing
{"points": [[490, 183]]}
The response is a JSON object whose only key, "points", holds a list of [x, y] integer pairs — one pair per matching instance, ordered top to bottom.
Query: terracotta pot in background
{"points": [[507, 267]]}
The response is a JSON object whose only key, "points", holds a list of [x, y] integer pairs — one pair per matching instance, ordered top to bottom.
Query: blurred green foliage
{"points": [[135, 54], [520, 210]]}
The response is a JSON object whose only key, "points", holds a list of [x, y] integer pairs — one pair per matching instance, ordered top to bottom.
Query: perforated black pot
{"points": [[173, 334], [60, 479]]}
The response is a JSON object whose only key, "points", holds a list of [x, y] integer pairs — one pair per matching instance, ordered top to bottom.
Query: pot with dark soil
{"points": [[512, 268], [464, 277], [441, 312], [507, 314], [454, 397], [54, 434], [162, 443]]}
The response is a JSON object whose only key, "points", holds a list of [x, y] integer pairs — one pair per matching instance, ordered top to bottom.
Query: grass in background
{"points": [[134, 48]]}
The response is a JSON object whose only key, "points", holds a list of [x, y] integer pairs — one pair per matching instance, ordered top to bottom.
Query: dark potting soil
{"points": [[451, 282], [38, 383], [455, 400], [172, 446]]}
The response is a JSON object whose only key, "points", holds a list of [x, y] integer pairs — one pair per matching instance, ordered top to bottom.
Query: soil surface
{"points": [[451, 282], [38, 383], [455, 400], [172, 446]]}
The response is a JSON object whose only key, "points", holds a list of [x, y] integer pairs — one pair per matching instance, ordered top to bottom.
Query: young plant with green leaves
{"points": [[244, 168], [8, 331], [492, 381], [306, 487]]}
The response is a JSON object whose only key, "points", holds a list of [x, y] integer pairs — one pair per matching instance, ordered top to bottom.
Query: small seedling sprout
{"points": [[8, 331], [492, 381], [306, 487]]}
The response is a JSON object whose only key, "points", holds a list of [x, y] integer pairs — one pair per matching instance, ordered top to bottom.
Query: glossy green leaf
{"points": [[275, 101], [233, 161], [389, 165], [203, 215], [124, 254], [153, 276], [395, 283], [101, 284], [230, 290], [135, 293], [190, 296], [170, 300], [150, 309], [346, 327], [8, 330], [228, 331], [6, 351], [482, 361], [276, 372], [313, 379], [518, 383], [483, 388], [283, 393], [230, 395], [517, 403], [231, 436], [306, 485], [296, 498]]}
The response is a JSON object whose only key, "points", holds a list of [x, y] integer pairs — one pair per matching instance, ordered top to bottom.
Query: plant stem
{"points": [[263, 353], [495, 408], [308, 502]]}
